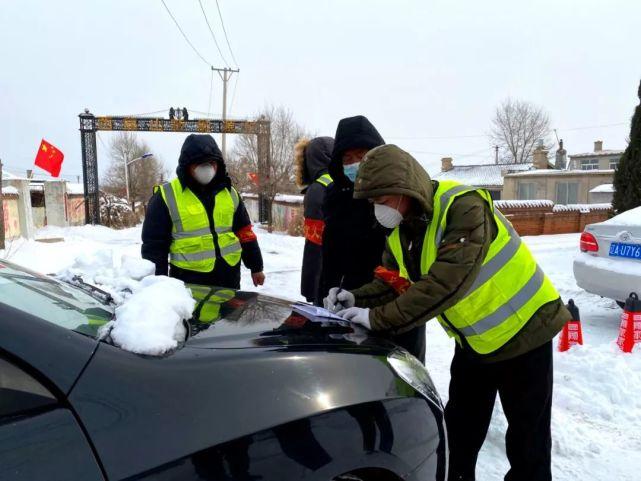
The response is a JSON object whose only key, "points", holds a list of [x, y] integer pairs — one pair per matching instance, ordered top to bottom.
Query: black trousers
{"points": [[524, 385]]}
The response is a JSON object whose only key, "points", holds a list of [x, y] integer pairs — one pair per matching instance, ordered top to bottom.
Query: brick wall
{"points": [[545, 220]]}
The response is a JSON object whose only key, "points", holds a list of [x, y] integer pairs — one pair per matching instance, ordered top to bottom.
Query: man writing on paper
{"points": [[452, 255]]}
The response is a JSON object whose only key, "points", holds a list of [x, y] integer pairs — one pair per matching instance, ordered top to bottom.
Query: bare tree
{"points": [[516, 128], [243, 162], [143, 174]]}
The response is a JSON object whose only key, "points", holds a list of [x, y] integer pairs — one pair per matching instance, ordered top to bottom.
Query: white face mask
{"points": [[204, 173], [387, 216]]}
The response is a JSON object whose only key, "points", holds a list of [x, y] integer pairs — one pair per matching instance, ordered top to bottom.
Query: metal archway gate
{"points": [[90, 124]]}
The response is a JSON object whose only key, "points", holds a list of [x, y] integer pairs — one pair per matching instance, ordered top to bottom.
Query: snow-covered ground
{"points": [[597, 399]]}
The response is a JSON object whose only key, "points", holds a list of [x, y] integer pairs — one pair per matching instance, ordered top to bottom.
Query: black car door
{"points": [[40, 438]]}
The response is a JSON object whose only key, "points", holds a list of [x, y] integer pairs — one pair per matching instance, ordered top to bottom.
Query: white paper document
{"points": [[314, 311]]}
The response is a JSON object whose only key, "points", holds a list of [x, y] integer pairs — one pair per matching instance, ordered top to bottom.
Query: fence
{"points": [[529, 217], [541, 217]]}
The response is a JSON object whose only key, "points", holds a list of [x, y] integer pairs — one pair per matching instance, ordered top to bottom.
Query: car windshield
{"points": [[51, 300]]}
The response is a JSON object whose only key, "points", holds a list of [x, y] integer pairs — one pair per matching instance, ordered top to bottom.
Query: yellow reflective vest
{"points": [[193, 246], [510, 286]]}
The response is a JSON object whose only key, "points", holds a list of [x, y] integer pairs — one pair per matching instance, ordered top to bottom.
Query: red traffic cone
{"points": [[630, 330], [572, 333]]}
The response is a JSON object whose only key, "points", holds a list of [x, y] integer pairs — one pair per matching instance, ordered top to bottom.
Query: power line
{"points": [[225, 32], [212, 33], [183, 34], [211, 88], [233, 95]]}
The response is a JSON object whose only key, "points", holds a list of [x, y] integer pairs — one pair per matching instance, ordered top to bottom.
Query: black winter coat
{"points": [[312, 159], [157, 226]]}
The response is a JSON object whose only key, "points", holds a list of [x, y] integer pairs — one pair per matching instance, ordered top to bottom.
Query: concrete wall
{"points": [[546, 183], [55, 193], [75, 209], [25, 213], [11, 216], [287, 216]]}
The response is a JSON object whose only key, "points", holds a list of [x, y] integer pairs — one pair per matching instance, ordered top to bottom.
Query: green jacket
{"points": [[469, 233]]}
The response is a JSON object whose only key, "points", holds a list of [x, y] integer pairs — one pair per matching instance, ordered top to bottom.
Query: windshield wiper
{"points": [[95, 292]]}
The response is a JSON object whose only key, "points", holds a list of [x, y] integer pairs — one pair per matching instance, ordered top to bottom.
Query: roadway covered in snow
{"points": [[597, 399]]}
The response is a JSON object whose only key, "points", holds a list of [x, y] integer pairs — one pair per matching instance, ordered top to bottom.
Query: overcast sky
{"points": [[417, 69]]}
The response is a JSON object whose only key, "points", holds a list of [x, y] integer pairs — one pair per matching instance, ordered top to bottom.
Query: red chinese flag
{"points": [[49, 158]]}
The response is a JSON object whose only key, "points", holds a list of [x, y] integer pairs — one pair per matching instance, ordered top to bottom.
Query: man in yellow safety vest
{"points": [[196, 228], [451, 255]]}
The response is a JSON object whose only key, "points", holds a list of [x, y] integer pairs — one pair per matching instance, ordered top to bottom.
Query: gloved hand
{"points": [[338, 299], [356, 315]]}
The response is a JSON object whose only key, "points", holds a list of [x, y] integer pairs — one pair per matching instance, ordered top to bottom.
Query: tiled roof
{"points": [[481, 175]]}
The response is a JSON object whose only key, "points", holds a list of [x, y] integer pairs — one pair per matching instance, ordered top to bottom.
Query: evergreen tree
{"points": [[627, 178]]}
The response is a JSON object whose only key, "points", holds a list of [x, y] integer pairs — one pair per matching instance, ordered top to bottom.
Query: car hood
{"points": [[228, 319]]}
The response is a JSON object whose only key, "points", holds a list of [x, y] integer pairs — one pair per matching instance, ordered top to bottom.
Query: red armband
{"points": [[313, 230], [246, 234], [392, 279]]}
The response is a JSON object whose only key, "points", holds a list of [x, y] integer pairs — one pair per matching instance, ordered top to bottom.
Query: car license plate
{"points": [[630, 251]]}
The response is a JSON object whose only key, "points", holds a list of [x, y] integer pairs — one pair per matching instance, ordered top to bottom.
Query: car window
{"points": [[53, 301], [19, 392]]}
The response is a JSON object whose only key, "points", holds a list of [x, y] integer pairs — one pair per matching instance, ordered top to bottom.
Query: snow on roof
{"points": [[600, 153], [544, 172], [482, 175], [9, 176], [74, 188], [609, 188], [9, 190], [288, 198], [293, 199], [522, 204], [581, 207]]}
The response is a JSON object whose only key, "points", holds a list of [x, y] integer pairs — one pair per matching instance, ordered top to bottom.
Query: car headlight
{"points": [[410, 370]]}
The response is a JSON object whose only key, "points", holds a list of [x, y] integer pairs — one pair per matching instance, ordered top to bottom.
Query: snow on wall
{"points": [[523, 204], [581, 207]]}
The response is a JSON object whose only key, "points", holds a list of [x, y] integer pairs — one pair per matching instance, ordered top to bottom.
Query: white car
{"points": [[609, 263]]}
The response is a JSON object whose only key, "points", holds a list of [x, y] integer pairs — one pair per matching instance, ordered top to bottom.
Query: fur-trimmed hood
{"points": [[311, 158]]}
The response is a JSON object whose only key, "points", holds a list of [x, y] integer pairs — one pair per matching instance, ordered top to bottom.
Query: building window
{"points": [[590, 164], [614, 164], [526, 191], [566, 192], [495, 194]]}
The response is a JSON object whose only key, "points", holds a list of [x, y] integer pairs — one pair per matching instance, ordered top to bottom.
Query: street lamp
{"points": [[127, 164]]}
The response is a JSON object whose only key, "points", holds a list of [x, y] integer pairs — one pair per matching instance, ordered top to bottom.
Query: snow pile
{"points": [[603, 188], [523, 204], [581, 207], [628, 218], [101, 269], [151, 320]]}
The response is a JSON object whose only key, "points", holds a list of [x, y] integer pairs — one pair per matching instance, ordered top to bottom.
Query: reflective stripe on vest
{"points": [[325, 180], [193, 246], [508, 289]]}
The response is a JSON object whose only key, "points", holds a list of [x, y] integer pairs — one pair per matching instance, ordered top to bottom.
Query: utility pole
{"points": [[225, 74], [2, 232]]}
